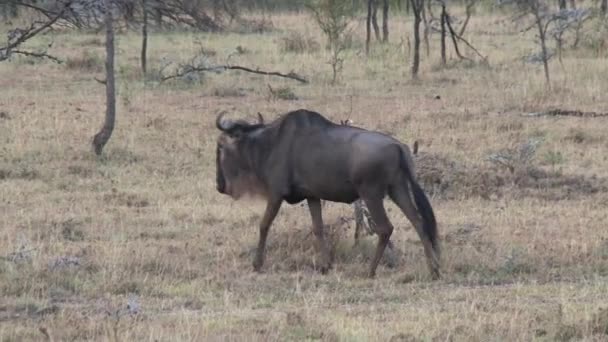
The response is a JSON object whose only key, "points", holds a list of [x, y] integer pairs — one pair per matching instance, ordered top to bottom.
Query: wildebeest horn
{"points": [[260, 118], [223, 125]]}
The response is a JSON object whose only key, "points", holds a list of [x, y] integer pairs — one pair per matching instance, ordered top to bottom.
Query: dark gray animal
{"points": [[304, 156], [361, 213]]}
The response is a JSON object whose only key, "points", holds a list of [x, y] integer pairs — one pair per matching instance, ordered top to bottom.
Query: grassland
{"points": [[138, 245]]}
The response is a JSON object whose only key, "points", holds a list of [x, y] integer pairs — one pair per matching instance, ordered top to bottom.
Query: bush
{"points": [[295, 42], [88, 61]]}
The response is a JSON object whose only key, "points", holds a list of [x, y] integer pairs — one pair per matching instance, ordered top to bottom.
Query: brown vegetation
{"points": [[138, 245]]}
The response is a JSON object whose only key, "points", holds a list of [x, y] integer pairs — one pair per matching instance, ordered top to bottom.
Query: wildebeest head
{"points": [[235, 175]]}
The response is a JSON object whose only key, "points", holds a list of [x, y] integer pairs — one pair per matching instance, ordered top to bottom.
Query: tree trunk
{"points": [[562, 4], [604, 7], [417, 8], [469, 12], [443, 18], [375, 19], [385, 21], [368, 26], [426, 28], [144, 38], [543, 45], [101, 138]]}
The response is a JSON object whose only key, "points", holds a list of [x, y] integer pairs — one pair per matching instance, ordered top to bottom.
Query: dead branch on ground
{"points": [[188, 69], [566, 112]]}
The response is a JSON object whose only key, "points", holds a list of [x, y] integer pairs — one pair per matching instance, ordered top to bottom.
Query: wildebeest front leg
{"points": [[272, 208], [317, 228], [384, 229]]}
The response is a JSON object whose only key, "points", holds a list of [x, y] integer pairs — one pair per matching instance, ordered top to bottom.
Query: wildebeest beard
{"points": [[221, 182], [246, 182]]}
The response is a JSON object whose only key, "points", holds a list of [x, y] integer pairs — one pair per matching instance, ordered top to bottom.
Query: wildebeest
{"points": [[304, 156], [361, 213]]}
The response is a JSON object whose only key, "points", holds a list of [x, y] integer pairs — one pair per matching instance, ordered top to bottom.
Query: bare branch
{"points": [[469, 10], [47, 13], [24, 35], [456, 36], [38, 55], [190, 69]]}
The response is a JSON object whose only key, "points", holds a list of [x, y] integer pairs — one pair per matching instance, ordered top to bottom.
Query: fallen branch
{"points": [[190, 69], [566, 112]]}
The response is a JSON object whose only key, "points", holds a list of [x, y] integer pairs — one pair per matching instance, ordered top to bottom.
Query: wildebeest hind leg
{"points": [[400, 195], [272, 208], [317, 228], [384, 228]]}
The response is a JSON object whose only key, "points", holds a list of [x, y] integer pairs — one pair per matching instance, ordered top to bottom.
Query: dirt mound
{"points": [[444, 178]]}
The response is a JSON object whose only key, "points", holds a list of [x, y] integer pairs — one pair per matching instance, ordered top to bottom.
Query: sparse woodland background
{"points": [[111, 227]]}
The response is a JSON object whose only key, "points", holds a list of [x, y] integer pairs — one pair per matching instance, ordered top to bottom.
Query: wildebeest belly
{"points": [[324, 174], [329, 193]]}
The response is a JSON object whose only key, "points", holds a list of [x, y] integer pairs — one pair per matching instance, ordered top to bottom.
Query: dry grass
{"points": [[138, 244]]}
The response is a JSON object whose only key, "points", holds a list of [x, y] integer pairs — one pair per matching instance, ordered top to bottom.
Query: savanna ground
{"points": [[138, 245]]}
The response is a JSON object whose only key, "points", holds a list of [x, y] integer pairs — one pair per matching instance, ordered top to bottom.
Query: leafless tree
{"points": [[470, 5], [385, 7], [417, 7], [375, 19], [547, 23], [368, 26], [427, 28], [443, 33], [18, 36], [144, 37], [103, 136]]}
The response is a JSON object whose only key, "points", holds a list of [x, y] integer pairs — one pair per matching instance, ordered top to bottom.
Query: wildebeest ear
{"points": [[260, 118]]}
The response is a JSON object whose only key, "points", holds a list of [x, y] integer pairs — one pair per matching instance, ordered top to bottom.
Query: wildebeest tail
{"points": [[424, 207]]}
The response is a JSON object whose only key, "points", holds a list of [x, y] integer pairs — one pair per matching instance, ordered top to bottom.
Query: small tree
{"points": [[417, 7], [334, 18], [375, 19], [384, 21], [548, 23], [368, 26], [144, 35], [103, 136]]}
